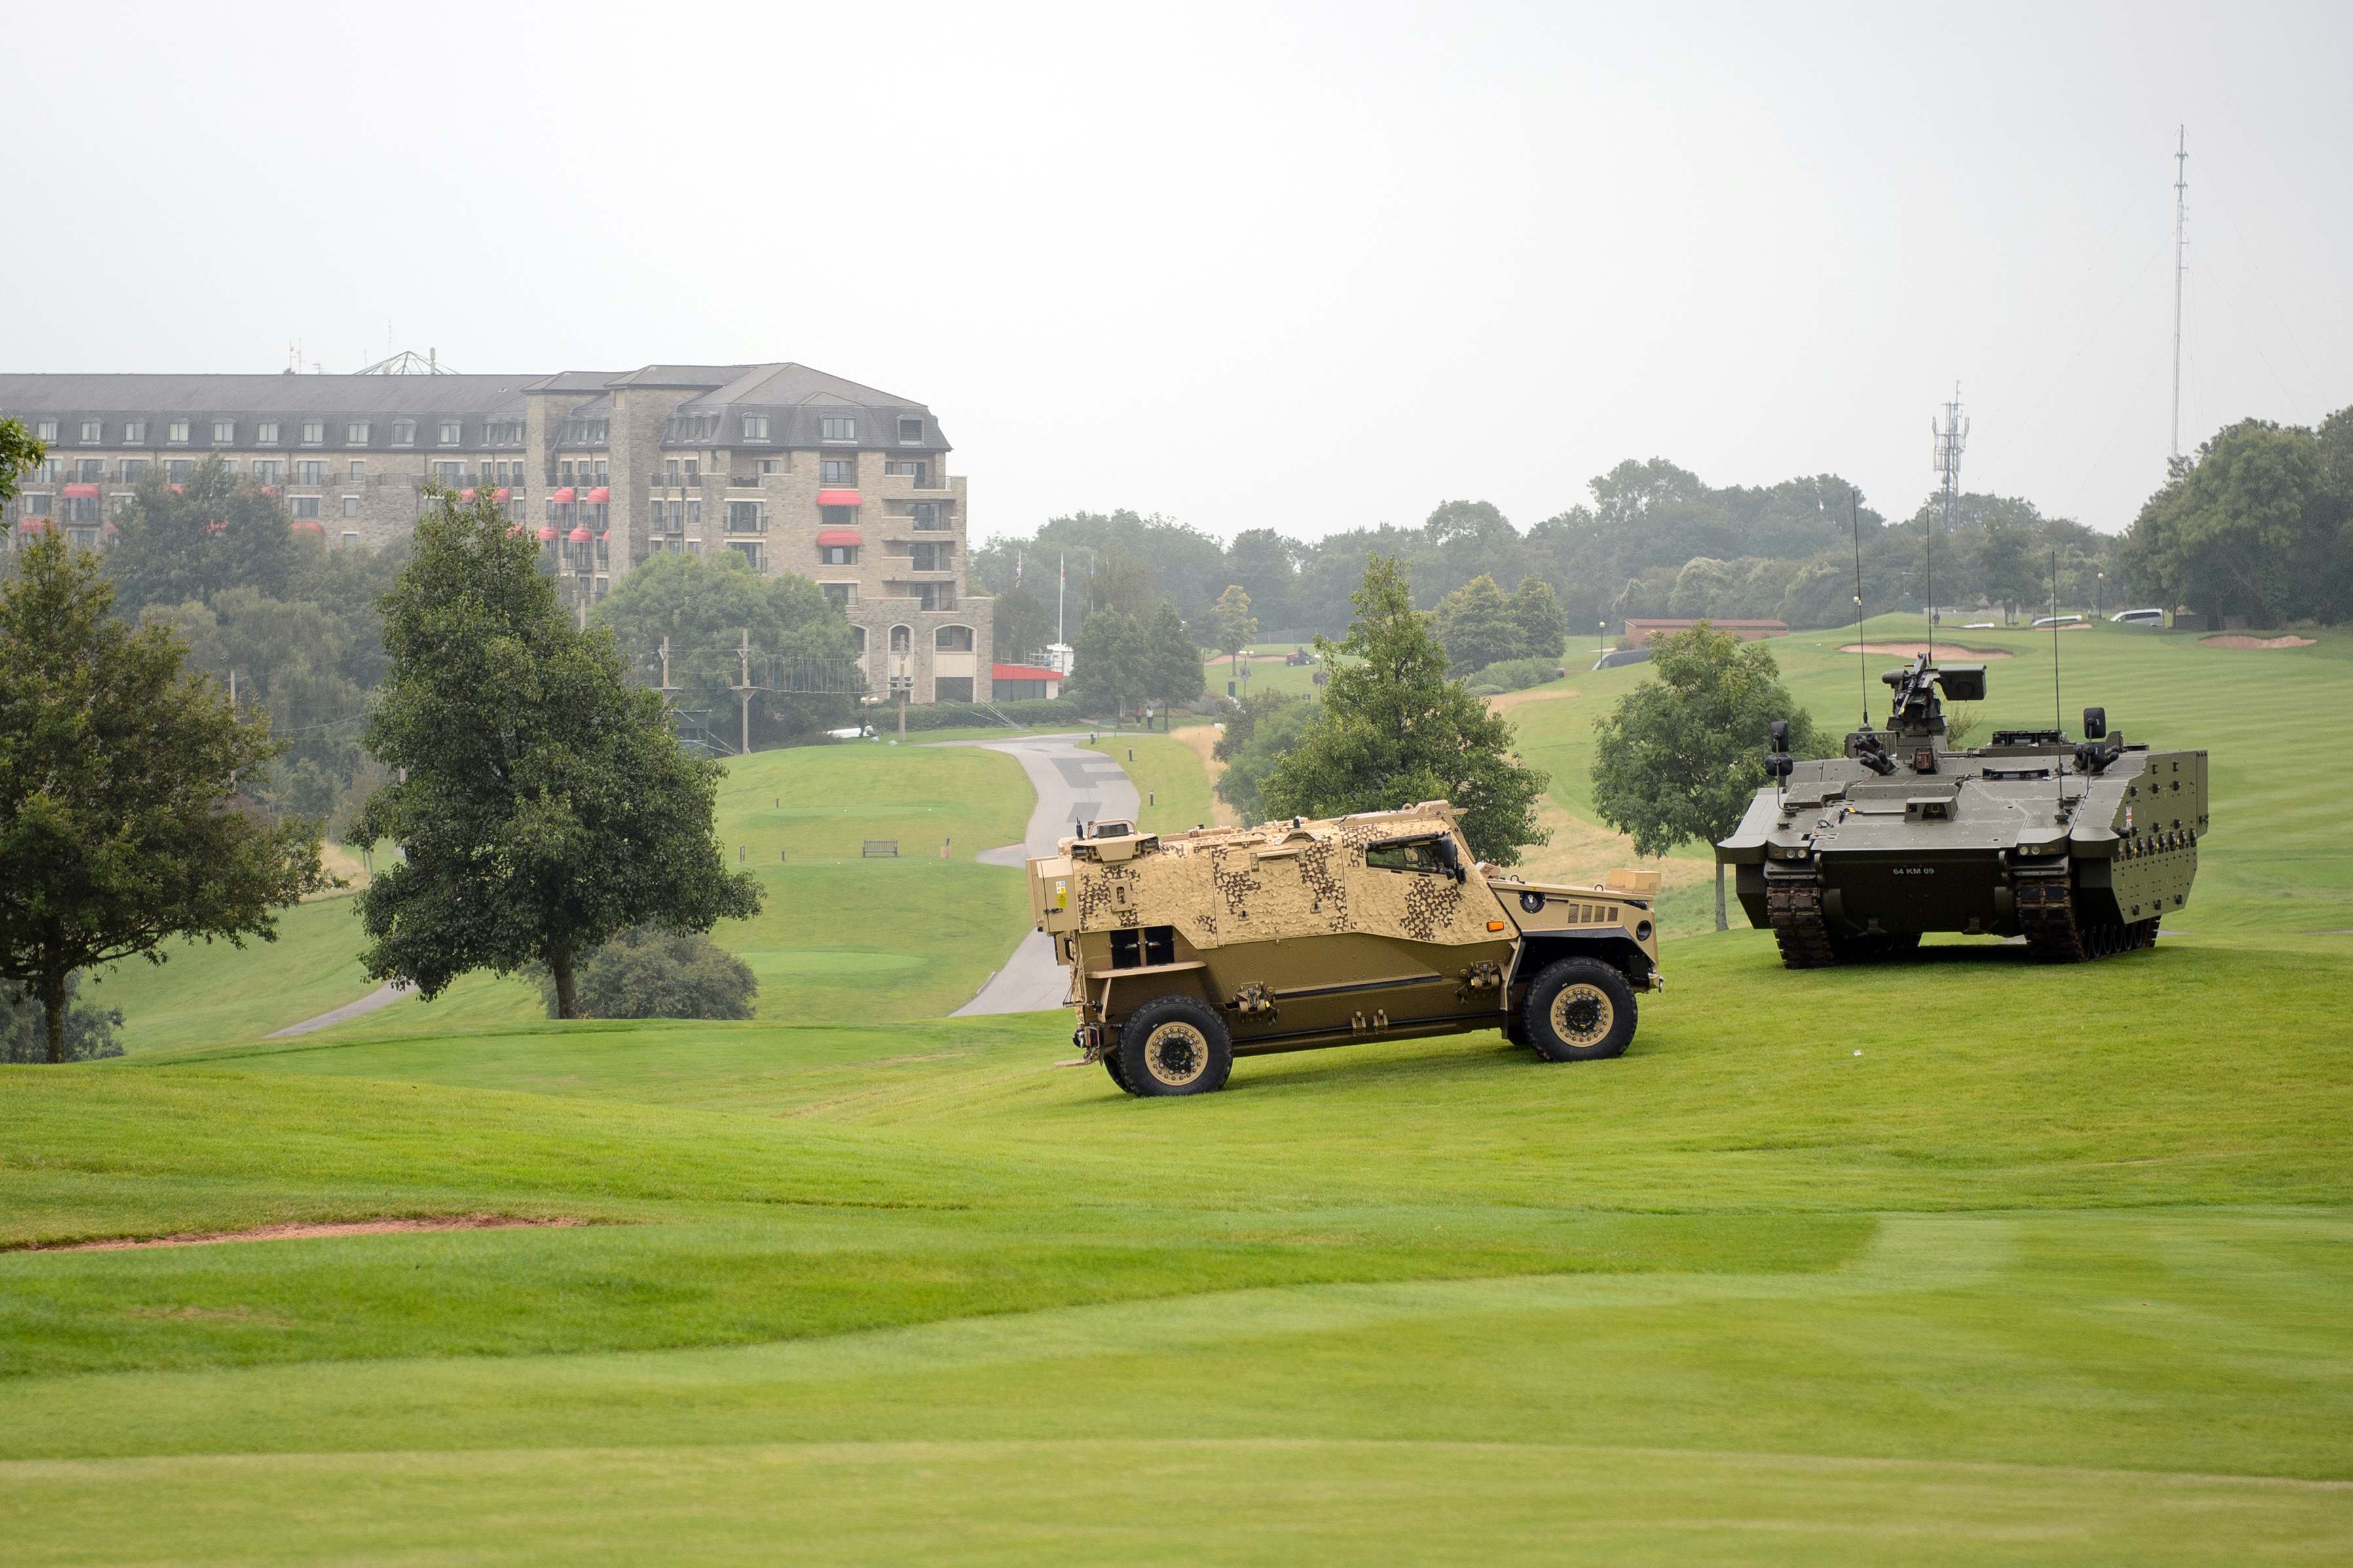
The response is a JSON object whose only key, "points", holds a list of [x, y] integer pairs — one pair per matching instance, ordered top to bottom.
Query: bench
{"points": [[877, 848]]}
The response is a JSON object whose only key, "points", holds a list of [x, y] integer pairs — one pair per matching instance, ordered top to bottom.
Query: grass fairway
{"points": [[1960, 1261]]}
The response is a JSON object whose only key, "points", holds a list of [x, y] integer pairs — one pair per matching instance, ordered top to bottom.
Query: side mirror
{"points": [[2095, 723], [1778, 733]]}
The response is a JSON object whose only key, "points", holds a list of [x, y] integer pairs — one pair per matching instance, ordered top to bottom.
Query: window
{"points": [[755, 426], [832, 428], [910, 429], [451, 430], [46, 431], [404, 431], [92, 432], [224, 432], [314, 432], [179, 433], [504, 433], [134, 434], [266, 434], [356, 434], [229, 466], [771, 466], [914, 468], [133, 469], [178, 469], [90, 470], [694, 470], [268, 471], [310, 471], [359, 471], [670, 471], [838, 471], [452, 474], [602, 477], [124, 501], [32, 504], [350, 506], [306, 507], [82, 509], [694, 514], [926, 515], [838, 516], [744, 517], [350, 539], [751, 551], [837, 554], [929, 557], [841, 595], [935, 596], [952, 639], [1431, 857], [1133, 949]]}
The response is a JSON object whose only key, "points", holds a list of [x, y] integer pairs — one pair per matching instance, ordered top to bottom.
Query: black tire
{"points": [[1579, 1010], [1173, 1044], [1111, 1066]]}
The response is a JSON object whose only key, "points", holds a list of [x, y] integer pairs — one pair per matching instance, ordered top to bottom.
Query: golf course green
{"points": [[1963, 1260]]}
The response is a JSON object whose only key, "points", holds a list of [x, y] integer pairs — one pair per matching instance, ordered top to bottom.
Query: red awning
{"points": [[269, 489], [178, 491], [81, 492], [501, 494], [465, 495], [600, 495], [561, 496], [837, 498], [33, 524], [309, 525], [547, 534], [579, 536], [604, 536], [833, 538], [1022, 672]]}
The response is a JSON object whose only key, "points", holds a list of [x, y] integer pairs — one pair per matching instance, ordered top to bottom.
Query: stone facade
{"points": [[799, 472]]}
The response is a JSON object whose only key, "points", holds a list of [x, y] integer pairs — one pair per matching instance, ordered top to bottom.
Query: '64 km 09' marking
{"points": [[1914, 871]]}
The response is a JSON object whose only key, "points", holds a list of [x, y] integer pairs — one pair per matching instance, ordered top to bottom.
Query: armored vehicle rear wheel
{"points": [[1579, 1010], [1173, 1044], [1111, 1066]]}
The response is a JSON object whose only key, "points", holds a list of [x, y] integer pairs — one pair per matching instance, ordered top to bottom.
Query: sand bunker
{"points": [[2236, 640], [1914, 650], [1502, 701], [1202, 739], [303, 1231]]}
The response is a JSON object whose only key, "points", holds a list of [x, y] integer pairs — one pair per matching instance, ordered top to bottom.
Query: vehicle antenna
{"points": [[1862, 660], [2058, 704]]}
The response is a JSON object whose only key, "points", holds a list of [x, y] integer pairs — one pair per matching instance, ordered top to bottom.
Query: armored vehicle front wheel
{"points": [[1579, 1010], [1173, 1044], [1111, 1066]]}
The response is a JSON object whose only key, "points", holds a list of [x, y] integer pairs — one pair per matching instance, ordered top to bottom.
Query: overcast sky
{"points": [[1303, 267]]}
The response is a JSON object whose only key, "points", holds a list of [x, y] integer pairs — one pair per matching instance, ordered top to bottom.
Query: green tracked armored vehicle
{"points": [[2080, 848]]}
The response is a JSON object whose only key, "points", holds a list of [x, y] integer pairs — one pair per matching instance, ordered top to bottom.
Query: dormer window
{"points": [[755, 426], [833, 427], [911, 430], [46, 431], [404, 431], [92, 432], [224, 432], [314, 432], [450, 432], [134, 434], [266, 434], [355, 434], [179, 437]]}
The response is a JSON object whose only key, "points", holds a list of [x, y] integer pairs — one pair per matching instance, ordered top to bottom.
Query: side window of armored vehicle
{"points": [[1428, 856], [1133, 949]]}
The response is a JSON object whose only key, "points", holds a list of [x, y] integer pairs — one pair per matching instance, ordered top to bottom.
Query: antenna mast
{"points": [[2181, 269], [1951, 437], [1862, 659]]}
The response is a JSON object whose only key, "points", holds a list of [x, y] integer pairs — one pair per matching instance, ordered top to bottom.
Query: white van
{"points": [[2138, 619]]}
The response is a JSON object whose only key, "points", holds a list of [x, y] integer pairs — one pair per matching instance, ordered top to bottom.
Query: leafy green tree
{"points": [[18, 451], [2256, 527], [192, 541], [1265, 563], [2009, 567], [1702, 587], [705, 605], [1232, 623], [1476, 624], [1019, 625], [1544, 625], [1172, 659], [1109, 663], [1392, 729], [1260, 733], [1681, 754], [542, 803], [121, 822], [652, 972], [89, 1028]]}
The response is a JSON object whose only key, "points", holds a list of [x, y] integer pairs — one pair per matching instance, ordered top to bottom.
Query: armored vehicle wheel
{"points": [[1579, 1010], [1173, 1044], [1111, 1066]]}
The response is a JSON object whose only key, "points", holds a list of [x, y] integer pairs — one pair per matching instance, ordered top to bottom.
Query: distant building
{"points": [[797, 470], [1640, 633], [1013, 682]]}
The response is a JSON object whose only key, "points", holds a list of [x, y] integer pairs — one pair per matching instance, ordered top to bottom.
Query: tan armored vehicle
{"points": [[1188, 950]]}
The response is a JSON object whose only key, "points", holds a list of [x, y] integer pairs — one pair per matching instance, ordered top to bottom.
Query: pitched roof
{"points": [[284, 393]]}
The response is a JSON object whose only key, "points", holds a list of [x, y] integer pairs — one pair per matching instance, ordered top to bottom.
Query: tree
{"points": [[18, 451], [2256, 527], [192, 540], [1266, 562], [2009, 566], [706, 605], [1232, 622], [1020, 624], [1476, 624], [1544, 625], [1172, 659], [1108, 667], [1265, 726], [1393, 729], [1681, 754], [542, 804], [121, 821], [653, 972], [89, 1029]]}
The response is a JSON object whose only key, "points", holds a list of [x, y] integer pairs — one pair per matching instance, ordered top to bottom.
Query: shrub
{"points": [[1514, 675], [653, 972]]}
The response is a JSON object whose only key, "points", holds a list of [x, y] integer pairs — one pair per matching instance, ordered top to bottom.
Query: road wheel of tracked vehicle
{"points": [[1579, 1010], [1173, 1044]]}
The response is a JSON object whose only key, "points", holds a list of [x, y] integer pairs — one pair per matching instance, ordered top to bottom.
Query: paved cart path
{"points": [[1074, 783], [381, 997]]}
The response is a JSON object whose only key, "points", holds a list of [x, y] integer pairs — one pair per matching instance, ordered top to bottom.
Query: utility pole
{"points": [[2180, 269], [1952, 436], [743, 687], [667, 689]]}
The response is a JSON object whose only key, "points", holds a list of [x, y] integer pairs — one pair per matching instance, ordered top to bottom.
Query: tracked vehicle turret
{"points": [[2080, 847]]}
